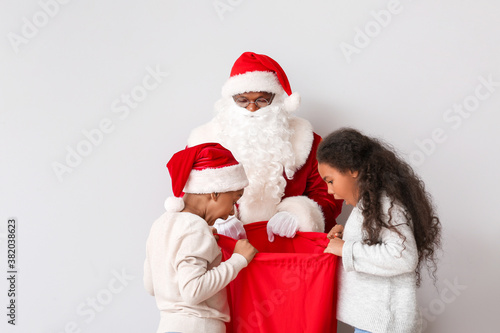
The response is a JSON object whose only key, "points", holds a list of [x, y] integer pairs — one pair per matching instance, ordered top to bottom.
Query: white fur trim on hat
{"points": [[252, 81], [292, 102], [226, 179], [174, 204], [308, 212]]}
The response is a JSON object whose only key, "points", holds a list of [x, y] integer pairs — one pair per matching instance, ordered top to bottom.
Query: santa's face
{"points": [[253, 101], [256, 119]]}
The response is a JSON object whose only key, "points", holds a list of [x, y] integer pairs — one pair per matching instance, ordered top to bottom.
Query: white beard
{"points": [[260, 141]]}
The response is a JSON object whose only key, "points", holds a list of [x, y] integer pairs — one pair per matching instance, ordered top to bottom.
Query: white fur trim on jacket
{"points": [[252, 81], [205, 133], [301, 140], [230, 178], [309, 214]]}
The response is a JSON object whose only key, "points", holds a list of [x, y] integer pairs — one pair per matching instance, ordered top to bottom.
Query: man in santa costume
{"points": [[254, 120]]}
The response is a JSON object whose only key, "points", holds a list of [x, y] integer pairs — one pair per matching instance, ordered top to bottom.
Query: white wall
{"points": [[67, 69]]}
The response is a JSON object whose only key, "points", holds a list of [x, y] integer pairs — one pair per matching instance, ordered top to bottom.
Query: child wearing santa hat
{"points": [[183, 267]]}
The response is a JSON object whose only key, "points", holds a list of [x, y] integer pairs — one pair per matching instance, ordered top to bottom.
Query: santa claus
{"points": [[254, 119]]}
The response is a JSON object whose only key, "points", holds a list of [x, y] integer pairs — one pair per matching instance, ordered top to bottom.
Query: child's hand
{"points": [[214, 231], [336, 232], [335, 247], [246, 249]]}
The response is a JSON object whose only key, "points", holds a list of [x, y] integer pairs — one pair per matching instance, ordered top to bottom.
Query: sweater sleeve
{"points": [[393, 255], [148, 277], [197, 283]]}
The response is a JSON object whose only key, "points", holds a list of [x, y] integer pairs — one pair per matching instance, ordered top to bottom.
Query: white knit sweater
{"points": [[183, 270], [378, 282]]}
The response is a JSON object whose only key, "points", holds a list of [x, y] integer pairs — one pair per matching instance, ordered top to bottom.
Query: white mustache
{"points": [[260, 113]]}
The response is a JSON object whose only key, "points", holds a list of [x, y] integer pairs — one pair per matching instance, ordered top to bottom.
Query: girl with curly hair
{"points": [[392, 231]]}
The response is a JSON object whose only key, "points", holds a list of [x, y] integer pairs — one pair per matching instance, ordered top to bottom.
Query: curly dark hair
{"points": [[381, 171]]}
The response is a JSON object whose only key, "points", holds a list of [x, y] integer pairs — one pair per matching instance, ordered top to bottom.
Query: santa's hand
{"points": [[284, 224], [232, 227]]}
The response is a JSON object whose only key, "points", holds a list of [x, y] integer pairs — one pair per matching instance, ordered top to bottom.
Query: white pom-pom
{"points": [[292, 102], [173, 204]]}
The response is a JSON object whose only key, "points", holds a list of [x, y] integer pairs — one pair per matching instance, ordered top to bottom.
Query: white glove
{"points": [[284, 224], [232, 227]]}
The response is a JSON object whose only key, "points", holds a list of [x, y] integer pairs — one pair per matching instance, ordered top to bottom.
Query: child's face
{"points": [[340, 185], [223, 205]]}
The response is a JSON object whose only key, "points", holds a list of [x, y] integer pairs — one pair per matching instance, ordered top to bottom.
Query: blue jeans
{"points": [[357, 330]]}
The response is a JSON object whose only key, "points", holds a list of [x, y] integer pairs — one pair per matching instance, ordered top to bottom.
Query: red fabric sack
{"points": [[290, 286]]}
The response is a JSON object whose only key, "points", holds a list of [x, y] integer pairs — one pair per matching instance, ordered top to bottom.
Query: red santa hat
{"points": [[258, 72], [205, 168]]}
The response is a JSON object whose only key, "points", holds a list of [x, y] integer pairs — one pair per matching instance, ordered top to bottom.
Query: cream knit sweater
{"points": [[183, 270], [377, 289]]}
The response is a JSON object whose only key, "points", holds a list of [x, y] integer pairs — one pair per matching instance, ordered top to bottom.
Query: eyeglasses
{"points": [[260, 102]]}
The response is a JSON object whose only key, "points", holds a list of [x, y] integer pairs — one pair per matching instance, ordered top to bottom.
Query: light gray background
{"points": [[67, 75]]}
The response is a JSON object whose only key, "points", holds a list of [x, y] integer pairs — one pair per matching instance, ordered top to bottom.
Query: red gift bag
{"points": [[290, 286]]}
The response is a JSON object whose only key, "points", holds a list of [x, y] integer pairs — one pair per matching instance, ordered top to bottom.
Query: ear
{"points": [[354, 174], [214, 196]]}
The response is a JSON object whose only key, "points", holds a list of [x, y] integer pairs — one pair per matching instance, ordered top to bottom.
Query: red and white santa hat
{"points": [[258, 72], [205, 168]]}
